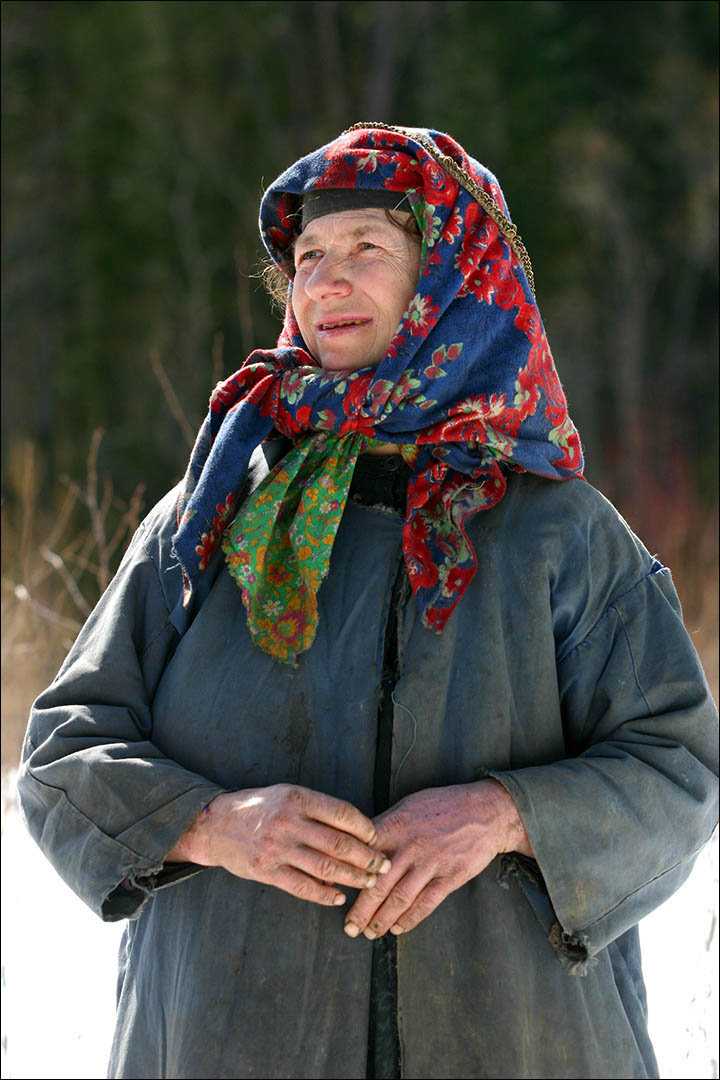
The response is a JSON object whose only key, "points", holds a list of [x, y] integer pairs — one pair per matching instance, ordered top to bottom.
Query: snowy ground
{"points": [[58, 972]]}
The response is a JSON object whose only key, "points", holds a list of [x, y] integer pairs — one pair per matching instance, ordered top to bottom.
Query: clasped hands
{"points": [[405, 862]]}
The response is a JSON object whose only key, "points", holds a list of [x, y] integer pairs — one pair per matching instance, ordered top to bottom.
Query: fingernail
{"points": [[385, 866], [372, 880], [339, 899], [351, 929], [396, 930], [370, 934]]}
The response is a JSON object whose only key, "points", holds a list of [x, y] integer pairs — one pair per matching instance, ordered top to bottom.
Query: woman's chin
{"points": [[337, 364]]}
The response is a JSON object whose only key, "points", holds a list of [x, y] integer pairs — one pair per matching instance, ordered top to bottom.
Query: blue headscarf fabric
{"points": [[468, 379]]}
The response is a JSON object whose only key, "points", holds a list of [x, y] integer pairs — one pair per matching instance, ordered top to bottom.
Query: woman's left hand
{"points": [[438, 840]]}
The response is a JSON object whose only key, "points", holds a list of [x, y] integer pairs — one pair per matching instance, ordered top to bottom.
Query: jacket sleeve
{"points": [[99, 798], [616, 826]]}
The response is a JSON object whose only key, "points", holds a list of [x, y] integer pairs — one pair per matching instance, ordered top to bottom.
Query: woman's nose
{"points": [[329, 278]]}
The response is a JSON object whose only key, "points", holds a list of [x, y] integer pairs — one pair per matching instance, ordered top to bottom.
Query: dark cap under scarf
{"points": [[334, 200]]}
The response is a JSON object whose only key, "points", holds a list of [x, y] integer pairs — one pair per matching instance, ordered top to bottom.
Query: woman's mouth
{"points": [[336, 326]]}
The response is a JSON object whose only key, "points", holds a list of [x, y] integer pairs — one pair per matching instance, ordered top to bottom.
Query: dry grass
{"points": [[54, 571], [701, 619]]}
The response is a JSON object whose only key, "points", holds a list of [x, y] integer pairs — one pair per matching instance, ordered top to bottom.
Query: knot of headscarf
{"points": [[468, 389]]}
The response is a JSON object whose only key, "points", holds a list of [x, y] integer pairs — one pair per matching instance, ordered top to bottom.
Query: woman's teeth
{"points": [[343, 322]]}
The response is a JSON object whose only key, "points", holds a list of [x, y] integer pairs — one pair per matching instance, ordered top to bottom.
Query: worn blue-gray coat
{"points": [[565, 673]]}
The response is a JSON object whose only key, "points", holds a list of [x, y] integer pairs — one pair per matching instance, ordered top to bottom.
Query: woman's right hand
{"points": [[288, 836]]}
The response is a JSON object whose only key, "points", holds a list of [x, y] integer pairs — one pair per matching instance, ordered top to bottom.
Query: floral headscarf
{"points": [[468, 389]]}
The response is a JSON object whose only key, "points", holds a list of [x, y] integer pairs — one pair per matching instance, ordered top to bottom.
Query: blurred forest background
{"points": [[137, 138]]}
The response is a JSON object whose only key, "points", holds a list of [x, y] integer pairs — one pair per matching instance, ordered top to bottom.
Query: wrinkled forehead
{"points": [[346, 224]]}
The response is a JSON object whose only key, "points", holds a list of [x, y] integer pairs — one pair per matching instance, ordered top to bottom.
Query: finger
{"points": [[337, 813], [343, 847], [327, 869], [298, 884], [399, 900], [369, 902], [424, 904]]}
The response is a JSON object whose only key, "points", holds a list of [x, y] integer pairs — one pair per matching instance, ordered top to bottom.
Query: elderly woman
{"points": [[387, 732]]}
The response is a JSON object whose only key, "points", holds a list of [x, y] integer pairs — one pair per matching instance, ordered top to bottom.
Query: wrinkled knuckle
{"points": [[344, 813], [341, 846], [327, 869], [439, 887], [380, 888], [304, 890], [401, 896], [425, 905], [360, 913]]}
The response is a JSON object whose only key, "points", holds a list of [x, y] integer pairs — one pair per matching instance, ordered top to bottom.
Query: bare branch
{"points": [[171, 397], [75, 490], [107, 498], [28, 505], [97, 517], [62, 519], [129, 521], [83, 563], [44, 570], [66, 577], [23, 595]]}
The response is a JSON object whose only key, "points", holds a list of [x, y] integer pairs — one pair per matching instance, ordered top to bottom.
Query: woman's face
{"points": [[355, 273]]}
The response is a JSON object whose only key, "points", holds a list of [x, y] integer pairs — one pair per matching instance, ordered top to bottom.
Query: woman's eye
{"points": [[366, 245], [307, 256]]}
